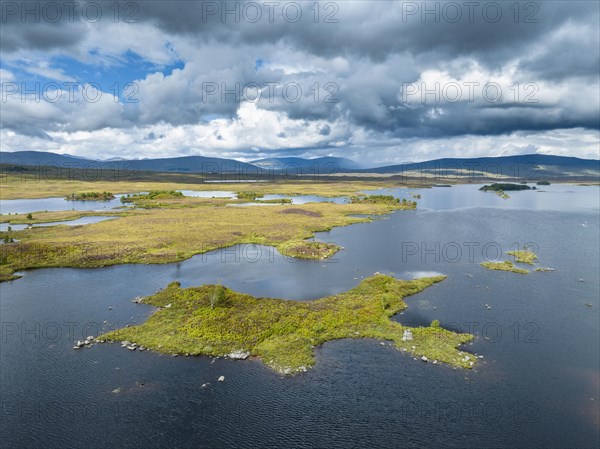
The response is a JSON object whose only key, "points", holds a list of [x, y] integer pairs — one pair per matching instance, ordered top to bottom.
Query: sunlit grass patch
{"points": [[284, 333]]}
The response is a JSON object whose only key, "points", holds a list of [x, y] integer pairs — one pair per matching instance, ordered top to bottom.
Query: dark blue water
{"points": [[553, 197], [537, 384]]}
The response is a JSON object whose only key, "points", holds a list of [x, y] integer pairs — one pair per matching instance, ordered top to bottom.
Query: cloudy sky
{"points": [[379, 82]]}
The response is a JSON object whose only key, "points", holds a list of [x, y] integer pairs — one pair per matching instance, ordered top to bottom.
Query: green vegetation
{"points": [[543, 183], [504, 187], [499, 188], [152, 195], [90, 196], [251, 196], [375, 199], [383, 199], [29, 216], [304, 249], [524, 256], [507, 265], [284, 333]]}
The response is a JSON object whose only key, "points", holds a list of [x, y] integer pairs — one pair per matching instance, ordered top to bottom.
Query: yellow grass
{"points": [[175, 230]]}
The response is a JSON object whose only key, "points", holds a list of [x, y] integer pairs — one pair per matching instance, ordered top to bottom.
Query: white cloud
{"points": [[42, 68], [6, 76]]}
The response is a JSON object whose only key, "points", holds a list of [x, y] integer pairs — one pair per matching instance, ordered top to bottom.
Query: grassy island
{"points": [[504, 187], [499, 188], [152, 195], [90, 196], [251, 196], [383, 199], [304, 249], [524, 256], [507, 265], [216, 321]]}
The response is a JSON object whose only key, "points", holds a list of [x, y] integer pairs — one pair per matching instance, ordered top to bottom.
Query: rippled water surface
{"points": [[537, 383]]}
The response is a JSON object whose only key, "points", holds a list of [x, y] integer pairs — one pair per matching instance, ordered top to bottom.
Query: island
{"points": [[504, 187], [499, 188], [152, 195], [248, 195], [90, 196], [383, 199], [305, 249], [524, 256], [507, 265], [216, 321]]}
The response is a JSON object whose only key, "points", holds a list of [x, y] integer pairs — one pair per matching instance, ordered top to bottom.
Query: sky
{"points": [[378, 82]]}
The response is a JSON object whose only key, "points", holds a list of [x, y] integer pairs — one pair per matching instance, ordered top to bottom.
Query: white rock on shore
{"points": [[84, 343], [239, 355]]}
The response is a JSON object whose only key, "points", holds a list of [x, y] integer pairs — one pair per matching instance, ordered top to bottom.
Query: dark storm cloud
{"points": [[40, 25], [492, 31], [385, 45]]}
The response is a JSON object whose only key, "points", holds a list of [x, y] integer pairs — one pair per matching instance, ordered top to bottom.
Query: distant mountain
{"points": [[40, 158], [186, 164], [196, 164], [306, 165], [528, 166], [524, 167]]}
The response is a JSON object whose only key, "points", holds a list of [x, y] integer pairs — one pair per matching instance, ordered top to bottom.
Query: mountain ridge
{"points": [[518, 166]]}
